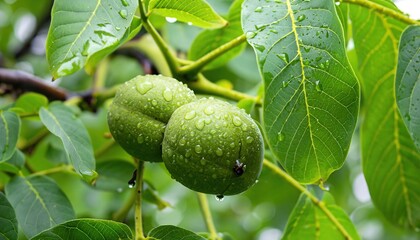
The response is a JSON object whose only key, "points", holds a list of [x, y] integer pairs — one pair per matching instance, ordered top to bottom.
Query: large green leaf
{"points": [[196, 12], [82, 32], [209, 40], [408, 81], [311, 93], [61, 121], [9, 134], [391, 163], [39, 203], [308, 221], [8, 222], [89, 229], [169, 232]]}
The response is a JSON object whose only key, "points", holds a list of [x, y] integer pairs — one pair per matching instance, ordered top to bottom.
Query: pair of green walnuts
{"points": [[207, 145]]}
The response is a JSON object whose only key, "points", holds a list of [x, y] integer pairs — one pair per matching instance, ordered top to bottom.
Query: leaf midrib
{"points": [[83, 30], [299, 53], [62, 131], [399, 161], [38, 197]]}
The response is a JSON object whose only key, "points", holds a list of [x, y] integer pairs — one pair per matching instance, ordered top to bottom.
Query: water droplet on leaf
{"points": [[124, 3], [258, 9], [123, 13], [301, 18], [170, 20], [250, 35], [259, 47], [85, 50], [284, 57], [318, 86], [280, 136]]}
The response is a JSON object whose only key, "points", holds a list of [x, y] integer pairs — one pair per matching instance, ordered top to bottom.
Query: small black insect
{"points": [[239, 168]]}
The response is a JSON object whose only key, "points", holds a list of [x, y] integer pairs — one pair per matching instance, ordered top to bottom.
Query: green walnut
{"points": [[140, 111], [213, 147]]}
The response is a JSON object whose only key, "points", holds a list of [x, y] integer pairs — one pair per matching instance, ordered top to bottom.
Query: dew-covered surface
{"points": [[140, 111], [205, 141]]}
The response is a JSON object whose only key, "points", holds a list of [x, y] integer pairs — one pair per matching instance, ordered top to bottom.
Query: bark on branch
{"points": [[27, 82]]}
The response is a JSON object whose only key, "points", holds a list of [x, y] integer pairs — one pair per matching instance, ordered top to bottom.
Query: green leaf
{"points": [[196, 12], [83, 32], [209, 40], [408, 81], [311, 93], [30, 103], [60, 121], [9, 134], [390, 161], [15, 163], [114, 175], [39, 203], [307, 221], [8, 222], [93, 229], [169, 232]]}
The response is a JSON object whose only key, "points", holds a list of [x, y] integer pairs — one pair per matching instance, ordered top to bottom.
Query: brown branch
{"points": [[27, 82]]}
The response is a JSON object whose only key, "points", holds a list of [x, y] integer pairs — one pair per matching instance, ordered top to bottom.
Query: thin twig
{"points": [[382, 9], [169, 56], [197, 66], [22, 80], [202, 85], [62, 168], [305, 191], [137, 208], [205, 210]]}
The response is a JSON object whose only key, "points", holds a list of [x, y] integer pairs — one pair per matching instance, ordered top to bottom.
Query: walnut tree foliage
{"points": [[330, 90]]}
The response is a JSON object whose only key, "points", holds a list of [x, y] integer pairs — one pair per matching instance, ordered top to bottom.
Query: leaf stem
{"points": [[382, 9], [169, 56], [197, 66], [203, 85], [62, 168], [305, 191], [137, 209], [205, 210]]}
